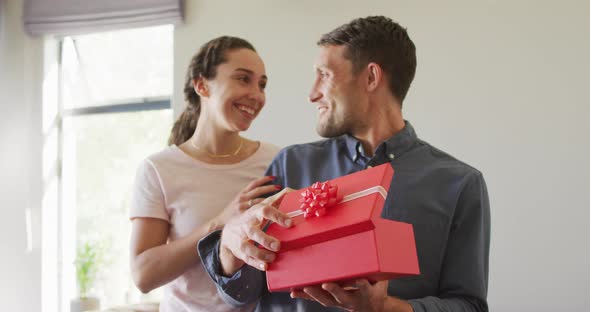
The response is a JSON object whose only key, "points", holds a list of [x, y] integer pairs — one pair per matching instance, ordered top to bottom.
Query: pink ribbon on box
{"points": [[316, 199]]}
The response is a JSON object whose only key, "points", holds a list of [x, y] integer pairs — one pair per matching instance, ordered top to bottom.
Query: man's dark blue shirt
{"points": [[444, 199]]}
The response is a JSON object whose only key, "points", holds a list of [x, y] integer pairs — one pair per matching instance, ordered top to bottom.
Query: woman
{"points": [[185, 191]]}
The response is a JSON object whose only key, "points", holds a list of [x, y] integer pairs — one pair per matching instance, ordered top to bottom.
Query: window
{"points": [[113, 111]]}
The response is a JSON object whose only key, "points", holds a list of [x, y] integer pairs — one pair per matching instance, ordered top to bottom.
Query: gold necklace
{"points": [[220, 156]]}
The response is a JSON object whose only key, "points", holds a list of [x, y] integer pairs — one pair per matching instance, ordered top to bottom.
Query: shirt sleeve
{"points": [[148, 195], [464, 275], [248, 284], [244, 287]]}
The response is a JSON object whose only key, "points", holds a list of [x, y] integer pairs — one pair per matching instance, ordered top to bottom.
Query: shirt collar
{"points": [[392, 147]]}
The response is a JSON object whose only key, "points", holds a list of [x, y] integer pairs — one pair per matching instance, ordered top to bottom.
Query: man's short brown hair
{"points": [[380, 40]]}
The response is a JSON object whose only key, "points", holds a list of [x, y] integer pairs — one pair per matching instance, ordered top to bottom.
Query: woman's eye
{"points": [[245, 79], [262, 85]]}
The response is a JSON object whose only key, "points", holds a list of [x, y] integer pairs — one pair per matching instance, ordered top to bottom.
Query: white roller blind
{"points": [[71, 17]]}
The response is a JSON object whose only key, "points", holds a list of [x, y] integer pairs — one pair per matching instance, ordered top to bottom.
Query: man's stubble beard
{"points": [[330, 128]]}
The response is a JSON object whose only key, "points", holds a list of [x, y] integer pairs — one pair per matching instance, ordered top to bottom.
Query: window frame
{"points": [[130, 105]]}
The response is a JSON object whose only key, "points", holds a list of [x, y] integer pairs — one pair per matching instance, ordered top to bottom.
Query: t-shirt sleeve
{"points": [[148, 196]]}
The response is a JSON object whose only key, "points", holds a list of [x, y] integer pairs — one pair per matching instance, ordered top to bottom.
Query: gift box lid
{"points": [[340, 220]]}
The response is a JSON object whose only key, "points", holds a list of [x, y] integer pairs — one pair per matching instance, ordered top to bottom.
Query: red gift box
{"points": [[346, 241]]}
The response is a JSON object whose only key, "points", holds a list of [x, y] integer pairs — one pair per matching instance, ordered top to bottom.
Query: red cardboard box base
{"points": [[384, 253]]}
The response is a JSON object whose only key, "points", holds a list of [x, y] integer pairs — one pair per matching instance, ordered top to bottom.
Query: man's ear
{"points": [[374, 77], [200, 86]]}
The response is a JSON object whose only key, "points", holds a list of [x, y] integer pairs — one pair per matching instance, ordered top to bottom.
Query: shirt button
{"points": [[391, 156]]}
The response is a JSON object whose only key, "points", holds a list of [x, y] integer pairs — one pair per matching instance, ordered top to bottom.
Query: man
{"points": [[363, 73]]}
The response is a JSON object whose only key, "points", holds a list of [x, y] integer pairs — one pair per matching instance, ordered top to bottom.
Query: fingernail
{"points": [[278, 187], [288, 222], [274, 246], [262, 266]]}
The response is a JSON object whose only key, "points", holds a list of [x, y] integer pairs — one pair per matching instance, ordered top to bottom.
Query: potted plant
{"points": [[88, 261]]}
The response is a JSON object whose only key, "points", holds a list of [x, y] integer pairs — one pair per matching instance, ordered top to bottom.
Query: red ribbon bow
{"points": [[317, 198]]}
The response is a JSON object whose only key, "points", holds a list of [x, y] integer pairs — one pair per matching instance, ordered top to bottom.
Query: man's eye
{"points": [[244, 79], [262, 85]]}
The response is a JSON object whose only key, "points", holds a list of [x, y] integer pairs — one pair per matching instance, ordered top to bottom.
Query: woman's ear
{"points": [[375, 76], [200, 86]]}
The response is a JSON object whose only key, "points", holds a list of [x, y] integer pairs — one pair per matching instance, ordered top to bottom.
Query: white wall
{"points": [[500, 84], [20, 162]]}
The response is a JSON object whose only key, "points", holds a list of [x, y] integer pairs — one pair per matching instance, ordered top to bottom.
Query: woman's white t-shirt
{"points": [[173, 186]]}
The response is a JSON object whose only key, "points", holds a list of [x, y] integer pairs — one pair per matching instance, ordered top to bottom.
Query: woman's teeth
{"points": [[246, 109]]}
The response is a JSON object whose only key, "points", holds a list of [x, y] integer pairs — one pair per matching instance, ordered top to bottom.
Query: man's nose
{"points": [[314, 95]]}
